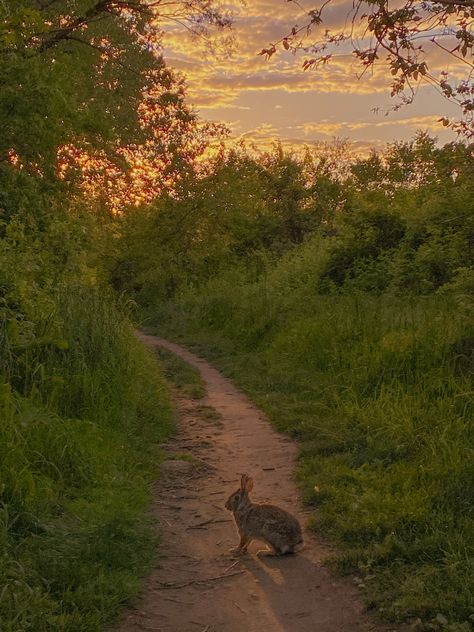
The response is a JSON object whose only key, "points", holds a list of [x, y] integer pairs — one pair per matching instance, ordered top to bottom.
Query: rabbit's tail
{"points": [[291, 548]]}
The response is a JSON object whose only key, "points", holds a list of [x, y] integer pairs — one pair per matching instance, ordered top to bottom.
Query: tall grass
{"points": [[379, 390], [83, 408]]}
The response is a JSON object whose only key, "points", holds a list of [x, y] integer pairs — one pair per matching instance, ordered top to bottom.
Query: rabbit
{"points": [[274, 526]]}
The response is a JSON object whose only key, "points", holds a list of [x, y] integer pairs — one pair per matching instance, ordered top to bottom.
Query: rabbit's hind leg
{"points": [[270, 551], [276, 551]]}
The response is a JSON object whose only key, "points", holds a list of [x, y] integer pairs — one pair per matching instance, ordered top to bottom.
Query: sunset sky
{"points": [[262, 100]]}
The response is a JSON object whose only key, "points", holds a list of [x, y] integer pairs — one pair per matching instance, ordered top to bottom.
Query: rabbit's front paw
{"points": [[236, 551]]}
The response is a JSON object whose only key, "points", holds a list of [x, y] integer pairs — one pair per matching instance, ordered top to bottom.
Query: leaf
{"points": [[308, 63]]}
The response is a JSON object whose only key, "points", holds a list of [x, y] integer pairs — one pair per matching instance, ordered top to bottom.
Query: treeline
{"points": [[399, 222], [339, 294]]}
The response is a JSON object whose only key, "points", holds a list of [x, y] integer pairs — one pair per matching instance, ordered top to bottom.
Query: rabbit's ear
{"points": [[243, 481], [249, 484]]}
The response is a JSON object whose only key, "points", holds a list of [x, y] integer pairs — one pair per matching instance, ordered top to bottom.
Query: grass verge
{"points": [[185, 378], [81, 423]]}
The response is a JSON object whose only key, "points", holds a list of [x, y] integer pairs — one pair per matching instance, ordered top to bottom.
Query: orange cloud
{"points": [[265, 99]]}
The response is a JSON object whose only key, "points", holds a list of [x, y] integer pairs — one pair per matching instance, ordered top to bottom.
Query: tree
{"points": [[402, 37], [86, 81], [415, 164]]}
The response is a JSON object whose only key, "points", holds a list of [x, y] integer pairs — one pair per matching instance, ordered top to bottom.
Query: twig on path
{"points": [[168, 505], [200, 525], [190, 557], [232, 566], [171, 585], [178, 601], [239, 607], [205, 629]]}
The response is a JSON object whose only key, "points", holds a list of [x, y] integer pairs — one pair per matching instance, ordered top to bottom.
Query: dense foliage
{"points": [[85, 93], [398, 222], [340, 297], [82, 409]]}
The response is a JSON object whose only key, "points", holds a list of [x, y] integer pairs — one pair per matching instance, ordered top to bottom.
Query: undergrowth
{"points": [[83, 408]]}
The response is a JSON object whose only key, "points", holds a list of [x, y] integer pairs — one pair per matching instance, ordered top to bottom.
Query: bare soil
{"points": [[197, 585]]}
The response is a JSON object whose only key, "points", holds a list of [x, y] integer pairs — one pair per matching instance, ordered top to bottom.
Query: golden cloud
{"points": [[270, 98]]}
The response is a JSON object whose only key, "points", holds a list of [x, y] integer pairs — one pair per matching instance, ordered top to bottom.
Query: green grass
{"points": [[185, 378], [379, 392], [83, 409], [209, 414]]}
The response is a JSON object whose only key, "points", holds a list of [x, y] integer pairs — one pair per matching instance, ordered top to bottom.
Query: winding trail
{"points": [[197, 586]]}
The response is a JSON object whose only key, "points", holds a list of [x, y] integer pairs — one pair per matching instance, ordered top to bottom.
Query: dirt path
{"points": [[197, 585]]}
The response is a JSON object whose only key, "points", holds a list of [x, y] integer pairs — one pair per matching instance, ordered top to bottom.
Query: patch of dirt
{"points": [[197, 586]]}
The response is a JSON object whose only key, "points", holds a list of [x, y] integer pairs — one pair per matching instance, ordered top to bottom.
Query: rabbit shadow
{"points": [[301, 592]]}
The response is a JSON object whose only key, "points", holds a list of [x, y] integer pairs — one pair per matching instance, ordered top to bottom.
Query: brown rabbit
{"points": [[274, 526]]}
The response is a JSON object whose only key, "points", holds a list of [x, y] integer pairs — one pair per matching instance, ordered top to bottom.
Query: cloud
{"points": [[276, 99], [341, 128]]}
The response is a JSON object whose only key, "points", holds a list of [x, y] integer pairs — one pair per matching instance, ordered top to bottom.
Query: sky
{"points": [[264, 100]]}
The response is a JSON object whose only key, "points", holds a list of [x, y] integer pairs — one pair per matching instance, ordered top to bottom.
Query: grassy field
{"points": [[378, 390], [83, 409]]}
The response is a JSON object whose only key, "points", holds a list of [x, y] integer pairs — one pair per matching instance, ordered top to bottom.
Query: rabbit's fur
{"points": [[274, 526]]}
